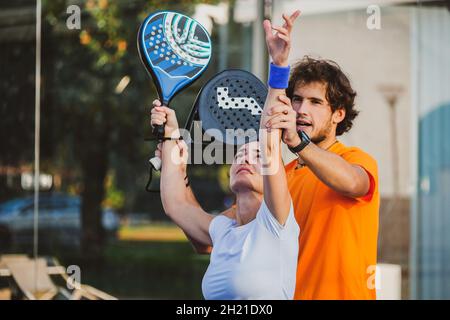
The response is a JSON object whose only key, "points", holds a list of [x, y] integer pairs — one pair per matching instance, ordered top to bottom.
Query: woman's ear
{"points": [[338, 115]]}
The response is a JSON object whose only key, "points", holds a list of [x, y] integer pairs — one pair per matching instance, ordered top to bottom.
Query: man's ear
{"points": [[338, 115]]}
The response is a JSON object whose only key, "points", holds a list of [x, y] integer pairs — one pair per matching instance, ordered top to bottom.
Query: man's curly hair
{"points": [[339, 90]]}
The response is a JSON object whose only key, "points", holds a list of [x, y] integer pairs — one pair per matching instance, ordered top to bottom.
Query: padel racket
{"points": [[175, 49], [232, 103]]}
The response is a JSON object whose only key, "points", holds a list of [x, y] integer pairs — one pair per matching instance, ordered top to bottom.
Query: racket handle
{"points": [[158, 131], [156, 163]]}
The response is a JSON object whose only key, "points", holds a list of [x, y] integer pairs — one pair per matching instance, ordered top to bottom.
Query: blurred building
{"points": [[401, 73]]}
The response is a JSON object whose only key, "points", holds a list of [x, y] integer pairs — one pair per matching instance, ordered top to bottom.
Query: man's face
{"points": [[314, 114]]}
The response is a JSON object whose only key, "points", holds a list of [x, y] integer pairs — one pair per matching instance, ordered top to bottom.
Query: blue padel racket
{"points": [[175, 49]]}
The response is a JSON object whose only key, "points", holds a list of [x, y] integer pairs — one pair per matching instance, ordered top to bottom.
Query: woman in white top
{"points": [[255, 255]]}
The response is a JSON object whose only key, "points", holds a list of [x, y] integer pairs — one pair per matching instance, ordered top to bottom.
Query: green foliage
{"points": [[86, 67], [114, 198], [146, 270]]}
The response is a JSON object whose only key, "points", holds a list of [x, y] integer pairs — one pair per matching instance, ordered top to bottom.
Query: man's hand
{"points": [[279, 44], [163, 115], [283, 116], [179, 156]]}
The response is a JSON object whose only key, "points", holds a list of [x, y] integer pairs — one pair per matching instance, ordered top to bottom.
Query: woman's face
{"points": [[245, 172]]}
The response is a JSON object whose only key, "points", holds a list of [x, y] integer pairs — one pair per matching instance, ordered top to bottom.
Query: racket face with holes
{"points": [[175, 49], [232, 103]]}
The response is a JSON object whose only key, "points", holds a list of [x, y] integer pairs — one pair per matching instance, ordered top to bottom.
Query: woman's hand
{"points": [[279, 44], [163, 115], [281, 115]]}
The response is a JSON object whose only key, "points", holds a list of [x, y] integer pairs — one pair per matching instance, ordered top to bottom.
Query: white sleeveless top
{"points": [[257, 260]]}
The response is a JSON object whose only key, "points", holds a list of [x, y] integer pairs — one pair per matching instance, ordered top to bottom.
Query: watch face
{"points": [[304, 142]]}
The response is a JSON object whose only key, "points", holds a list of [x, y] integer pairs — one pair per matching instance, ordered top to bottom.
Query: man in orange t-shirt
{"points": [[334, 188], [338, 237]]}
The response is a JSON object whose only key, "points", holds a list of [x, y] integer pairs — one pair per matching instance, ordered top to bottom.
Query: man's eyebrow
{"points": [[310, 98], [314, 99]]}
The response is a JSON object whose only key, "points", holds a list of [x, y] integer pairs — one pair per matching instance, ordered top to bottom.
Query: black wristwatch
{"points": [[305, 140]]}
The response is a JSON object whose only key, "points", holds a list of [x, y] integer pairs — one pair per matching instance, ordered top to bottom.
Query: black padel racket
{"points": [[231, 103]]}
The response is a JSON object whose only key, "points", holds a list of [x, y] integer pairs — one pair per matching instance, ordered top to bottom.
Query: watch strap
{"points": [[305, 140]]}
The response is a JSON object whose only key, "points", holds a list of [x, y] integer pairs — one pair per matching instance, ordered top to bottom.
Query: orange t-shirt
{"points": [[338, 234]]}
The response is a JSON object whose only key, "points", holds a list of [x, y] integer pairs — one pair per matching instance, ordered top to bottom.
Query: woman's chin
{"points": [[244, 185]]}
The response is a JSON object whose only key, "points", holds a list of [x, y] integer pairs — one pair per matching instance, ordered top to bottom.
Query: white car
{"points": [[59, 221]]}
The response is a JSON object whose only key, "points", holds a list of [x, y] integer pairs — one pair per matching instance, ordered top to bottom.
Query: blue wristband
{"points": [[278, 76]]}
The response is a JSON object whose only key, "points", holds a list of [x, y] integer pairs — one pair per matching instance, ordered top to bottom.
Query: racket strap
{"points": [[170, 138], [150, 174], [149, 182], [147, 186]]}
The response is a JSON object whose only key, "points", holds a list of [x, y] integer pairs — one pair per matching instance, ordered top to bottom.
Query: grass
{"points": [[156, 232]]}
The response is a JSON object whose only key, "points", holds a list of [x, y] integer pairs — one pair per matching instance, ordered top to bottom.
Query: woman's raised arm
{"points": [[175, 195]]}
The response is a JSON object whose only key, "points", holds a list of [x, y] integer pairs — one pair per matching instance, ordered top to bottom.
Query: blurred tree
{"points": [[93, 120], [114, 198]]}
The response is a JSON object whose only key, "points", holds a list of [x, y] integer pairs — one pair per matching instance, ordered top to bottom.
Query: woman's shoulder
{"points": [[271, 224], [219, 226]]}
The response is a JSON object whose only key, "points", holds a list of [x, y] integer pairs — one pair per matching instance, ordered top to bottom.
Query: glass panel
{"points": [[94, 149]]}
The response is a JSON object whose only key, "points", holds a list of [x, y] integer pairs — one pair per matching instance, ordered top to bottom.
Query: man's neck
{"points": [[327, 143], [247, 205]]}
